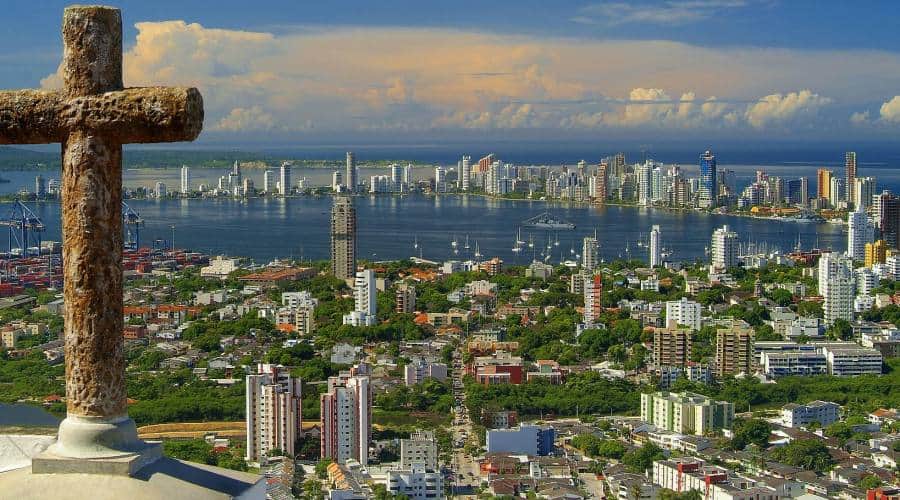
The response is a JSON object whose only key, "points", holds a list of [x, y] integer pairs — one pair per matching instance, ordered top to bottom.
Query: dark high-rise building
{"points": [[850, 175], [709, 188], [887, 217], [343, 238]]}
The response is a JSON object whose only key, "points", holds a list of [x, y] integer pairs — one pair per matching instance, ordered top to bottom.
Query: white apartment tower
{"points": [[465, 173], [351, 176], [185, 179], [284, 179], [336, 180], [269, 181], [863, 191], [859, 232], [655, 247], [724, 248], [590, 253], [836, 285], [364, 296], [683, 312], [273, 412], [346, 419]]}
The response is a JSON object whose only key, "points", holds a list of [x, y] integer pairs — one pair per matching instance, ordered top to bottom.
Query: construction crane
{"points": [[133, 223], [25, 229]]}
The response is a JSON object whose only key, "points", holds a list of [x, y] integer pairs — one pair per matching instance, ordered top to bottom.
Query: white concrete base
{"points": [[91, 445], [165, 478]]}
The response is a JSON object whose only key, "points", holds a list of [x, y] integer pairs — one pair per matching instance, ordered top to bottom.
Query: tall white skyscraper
{"points": [[465, 173], [644, 174], [408, 176], [350, 177], [185, 179], [284, 179], [336, 180], [269, 181], [397, 184], [863, 191], [859, 232], [655, 247], [724, 248], [590, 253], [836, 285], [365, 300], [273, 419], [346, 419]]}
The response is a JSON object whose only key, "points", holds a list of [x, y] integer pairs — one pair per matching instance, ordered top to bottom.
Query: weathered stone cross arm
{"points": [[133, 115]]}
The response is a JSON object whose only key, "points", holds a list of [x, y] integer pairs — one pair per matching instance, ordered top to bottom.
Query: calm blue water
{"points": [[268, 228], [23, 414]]}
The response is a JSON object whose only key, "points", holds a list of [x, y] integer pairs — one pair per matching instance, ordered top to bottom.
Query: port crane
{"points": [[133, 223], [25, 229]]}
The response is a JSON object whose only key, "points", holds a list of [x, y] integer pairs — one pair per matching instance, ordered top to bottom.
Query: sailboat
{"points": [[519, 241], [530, 241], [416, 242], [454, 243], [556, 243], [466, 246], [477, 251]]}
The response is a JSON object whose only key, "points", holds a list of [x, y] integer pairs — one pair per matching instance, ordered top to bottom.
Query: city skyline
{"points": [[405, 73]]}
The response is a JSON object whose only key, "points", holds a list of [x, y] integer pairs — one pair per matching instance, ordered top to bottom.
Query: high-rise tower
{"points": [[343, 238]]}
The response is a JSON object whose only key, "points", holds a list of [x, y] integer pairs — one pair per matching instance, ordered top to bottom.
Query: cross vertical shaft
{"points": [[92, 224]]}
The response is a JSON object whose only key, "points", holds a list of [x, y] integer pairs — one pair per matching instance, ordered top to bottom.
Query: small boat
{"points": [[548, 221], [519, 241], [530, 241], [416, 242], [454, 243], [556, 243], [466, 246], [477, 251]]}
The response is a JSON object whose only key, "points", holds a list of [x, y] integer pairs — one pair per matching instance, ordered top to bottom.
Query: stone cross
{"points": [[93, 116]]}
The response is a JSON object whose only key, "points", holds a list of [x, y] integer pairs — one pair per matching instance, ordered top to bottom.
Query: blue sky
{"points": [[284, 70]]}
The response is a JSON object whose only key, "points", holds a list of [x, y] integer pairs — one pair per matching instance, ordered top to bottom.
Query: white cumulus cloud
{"points": [[780, 108], [890, 110]]}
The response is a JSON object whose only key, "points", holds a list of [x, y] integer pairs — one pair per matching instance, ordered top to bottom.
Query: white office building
{"points": [[185, 179], [284, 179], [337, 181], [397, 183], [161, 191], [859, 232], [655, 247], [724, 248], [836, 285], [365, 299], [683, 312], [849, 359], [416, 371], [824, 413], [273, 419], [420, 449], [416, 483]]}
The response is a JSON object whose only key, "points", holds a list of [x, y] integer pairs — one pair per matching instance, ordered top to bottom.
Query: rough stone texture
{"points": [[135, 115], [92, 117]]}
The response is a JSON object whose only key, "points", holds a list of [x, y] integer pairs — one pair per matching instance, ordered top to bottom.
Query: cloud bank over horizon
{"points": [[307, 81]]}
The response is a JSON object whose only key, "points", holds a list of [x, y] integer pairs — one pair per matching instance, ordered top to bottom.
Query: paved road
{"points": [[464, 467]]}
